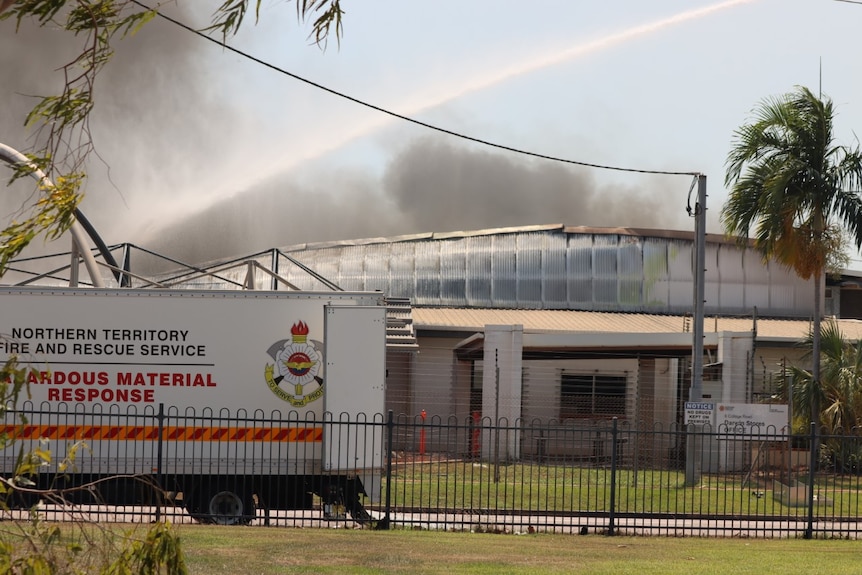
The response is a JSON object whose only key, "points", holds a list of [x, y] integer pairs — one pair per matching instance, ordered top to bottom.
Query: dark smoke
{"points": [[27, 62], [157, 109], [161, 111], [431, 186], [441, 187]]}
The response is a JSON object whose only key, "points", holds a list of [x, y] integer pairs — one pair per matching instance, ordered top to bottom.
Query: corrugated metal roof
{"points": [[552, 267], [557, 268], [539, 321]]}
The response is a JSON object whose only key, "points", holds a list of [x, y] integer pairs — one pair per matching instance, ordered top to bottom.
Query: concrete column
{"points": [[734, 352], [501, 390]]}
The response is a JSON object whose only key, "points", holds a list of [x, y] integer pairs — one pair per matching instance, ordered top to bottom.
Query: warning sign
{"points": [[699, 413]]}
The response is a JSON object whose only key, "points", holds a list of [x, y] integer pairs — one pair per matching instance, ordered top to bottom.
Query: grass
{"points": [[468, 485], [247, 551]]}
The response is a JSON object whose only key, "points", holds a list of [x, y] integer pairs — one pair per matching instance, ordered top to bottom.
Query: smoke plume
{"points": [[157, 112], [160, 123], [429, 186]]}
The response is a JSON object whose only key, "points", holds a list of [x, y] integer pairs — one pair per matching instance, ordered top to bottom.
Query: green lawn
{"points": [[466, 485], [246, 551]]}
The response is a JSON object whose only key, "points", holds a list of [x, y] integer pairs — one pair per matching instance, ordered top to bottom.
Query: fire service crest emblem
{"points": [[294, 377]]}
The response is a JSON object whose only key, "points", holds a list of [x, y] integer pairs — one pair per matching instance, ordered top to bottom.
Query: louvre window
{"points": [[592, 395]]}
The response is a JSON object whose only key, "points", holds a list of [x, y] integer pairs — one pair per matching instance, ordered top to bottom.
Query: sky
{"points": [[203, 154]]}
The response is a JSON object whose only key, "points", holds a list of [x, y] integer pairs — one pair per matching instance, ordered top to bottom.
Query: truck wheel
{"points": [[221, 506], [229, 508]]}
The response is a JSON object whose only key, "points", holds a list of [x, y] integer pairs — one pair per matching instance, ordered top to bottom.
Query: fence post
{"points": [[423, 415], [160, 418], [390, 433], [812, 462], [613, 502]]}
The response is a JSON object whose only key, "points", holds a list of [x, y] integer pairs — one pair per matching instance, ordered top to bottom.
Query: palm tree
{"points": [[797, 190], [838, 393]]}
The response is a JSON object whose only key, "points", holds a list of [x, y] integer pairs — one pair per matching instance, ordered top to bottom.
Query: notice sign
{"points": [[699, 413], [752, 420]]}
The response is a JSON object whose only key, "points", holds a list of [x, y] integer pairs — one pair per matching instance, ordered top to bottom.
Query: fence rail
{"points": [[292, 469]]}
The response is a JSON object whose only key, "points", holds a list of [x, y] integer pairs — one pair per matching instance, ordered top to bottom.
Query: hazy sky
{"points": [[204, 153]]}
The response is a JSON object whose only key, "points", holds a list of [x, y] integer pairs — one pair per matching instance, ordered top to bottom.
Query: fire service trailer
{"points": [[227, 401]]}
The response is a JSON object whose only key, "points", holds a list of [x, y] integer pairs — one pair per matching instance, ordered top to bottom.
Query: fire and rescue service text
{"points": [[109, 347]]}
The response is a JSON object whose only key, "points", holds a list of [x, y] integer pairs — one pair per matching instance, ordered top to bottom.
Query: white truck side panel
{"points": [[184, 349], [196, 352], [355, 375]]}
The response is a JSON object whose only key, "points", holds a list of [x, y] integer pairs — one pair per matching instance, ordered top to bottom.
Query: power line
{"points": [[407, 118]]}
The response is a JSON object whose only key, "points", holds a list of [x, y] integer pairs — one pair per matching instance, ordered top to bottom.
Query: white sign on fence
{"points": [[699, 413], [751, 420]]}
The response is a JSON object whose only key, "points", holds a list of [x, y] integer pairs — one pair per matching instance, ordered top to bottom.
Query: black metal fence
{"points": [[292, 469]]}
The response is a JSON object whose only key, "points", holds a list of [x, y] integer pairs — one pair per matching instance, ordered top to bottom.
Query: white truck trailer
{"points": [[231, 400]]}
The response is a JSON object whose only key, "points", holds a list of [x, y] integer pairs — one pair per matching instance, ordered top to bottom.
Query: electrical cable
{"points": [[407, 118]]}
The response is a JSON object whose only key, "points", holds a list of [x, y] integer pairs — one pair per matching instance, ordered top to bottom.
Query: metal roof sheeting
{"points": [[537, 267], [555, 267]]}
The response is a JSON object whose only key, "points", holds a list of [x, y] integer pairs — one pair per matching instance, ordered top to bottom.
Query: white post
{"points": [[13, 157]]}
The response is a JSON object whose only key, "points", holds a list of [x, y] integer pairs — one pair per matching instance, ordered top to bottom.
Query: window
{"points": [[712, 372], [591, 395]]}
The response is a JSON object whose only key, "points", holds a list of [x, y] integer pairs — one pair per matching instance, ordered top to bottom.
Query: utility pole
{"points": [[692, 449]]}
